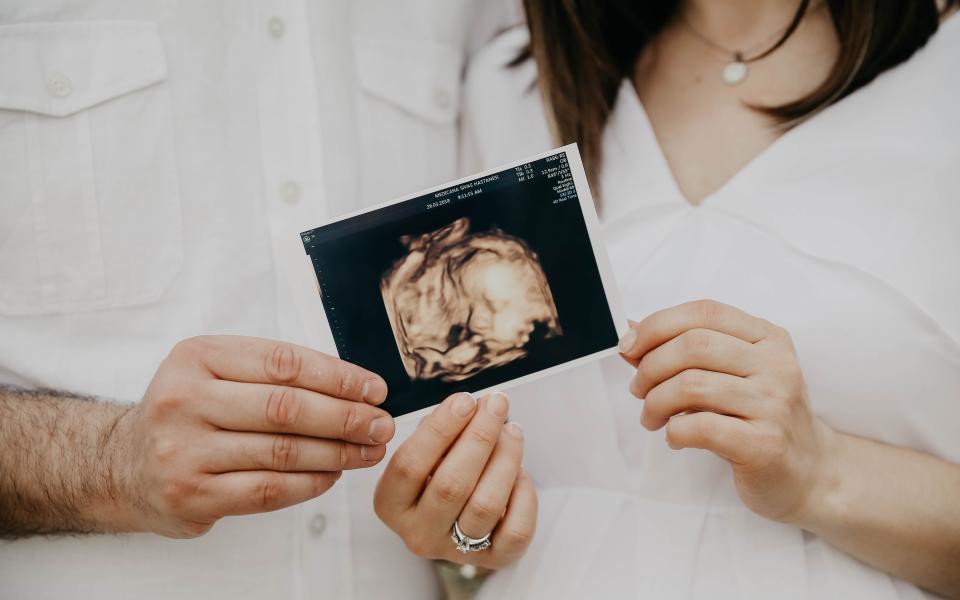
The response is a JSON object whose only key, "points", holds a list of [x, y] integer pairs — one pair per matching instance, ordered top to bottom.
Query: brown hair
{"points": [[585, 48]]}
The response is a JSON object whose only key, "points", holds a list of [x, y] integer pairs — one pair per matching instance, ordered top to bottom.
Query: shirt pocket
{"points": [[408, 109], [89, 204]]}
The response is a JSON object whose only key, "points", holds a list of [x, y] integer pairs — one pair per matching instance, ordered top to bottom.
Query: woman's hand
{"points": [[725, 381], [462, 462]]}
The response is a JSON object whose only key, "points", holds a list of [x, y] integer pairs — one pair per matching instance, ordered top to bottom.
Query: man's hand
{"points": [[228, 426]]}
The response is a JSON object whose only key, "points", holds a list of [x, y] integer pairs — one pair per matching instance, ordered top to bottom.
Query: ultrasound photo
{"points": [[476, 286], [463, 302]]}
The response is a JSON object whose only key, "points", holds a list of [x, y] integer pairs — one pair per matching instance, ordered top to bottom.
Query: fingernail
{"points": [[628, 340], [373, 391], [464, 404], [498, 405], [513, 429], [380, 430], [369, 453]]}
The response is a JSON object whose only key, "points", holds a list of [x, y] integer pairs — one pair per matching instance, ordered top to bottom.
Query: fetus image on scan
{"points": [[462, 302]]}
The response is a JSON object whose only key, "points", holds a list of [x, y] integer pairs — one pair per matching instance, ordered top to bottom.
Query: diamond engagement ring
{"points": [[466, 543]]}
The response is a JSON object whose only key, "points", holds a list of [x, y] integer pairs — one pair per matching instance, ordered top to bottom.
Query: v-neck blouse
{"points": [[844, 231]]}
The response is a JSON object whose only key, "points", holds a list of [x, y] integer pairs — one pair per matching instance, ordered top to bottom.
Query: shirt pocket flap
{"points": [[57, 69], [419, 77]]}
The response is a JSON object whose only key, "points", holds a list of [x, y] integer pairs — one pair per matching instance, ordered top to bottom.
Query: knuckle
{"points": [[707, 310], [781, 333], [697, 342], [181, 348], [187, 348], [190, 350], [283, 364], [344, 380], [692, 383], [638, 386], [167, 401], [166, 405], [654, 405], [284, 407], [654, 414], [351, 421], [432, 426], [482, 438], [672, 438], [166, 450], [285, 452], [405, 466], [452, 490], [176, 492], [268, 492], [484, 509], [515, 538], [421, 545]]}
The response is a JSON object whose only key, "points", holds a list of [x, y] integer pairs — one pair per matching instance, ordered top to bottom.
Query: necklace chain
{"points": [[751, 54], [740, 55]]}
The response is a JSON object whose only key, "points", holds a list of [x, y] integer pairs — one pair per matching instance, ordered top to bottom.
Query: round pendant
{"points": [[734, 73]]}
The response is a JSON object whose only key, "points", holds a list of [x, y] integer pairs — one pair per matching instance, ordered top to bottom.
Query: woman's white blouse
{"points": [[846, 231]]}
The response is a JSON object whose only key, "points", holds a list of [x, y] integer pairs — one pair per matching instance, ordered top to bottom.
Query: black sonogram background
{"points": [[351, 256]]}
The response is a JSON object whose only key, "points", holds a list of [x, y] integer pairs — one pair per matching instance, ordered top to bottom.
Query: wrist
{"points": [[830, 496], [116, 508]]}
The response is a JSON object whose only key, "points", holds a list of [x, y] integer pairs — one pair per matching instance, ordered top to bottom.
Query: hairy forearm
{"points": [[58, 464], [894, 508]]}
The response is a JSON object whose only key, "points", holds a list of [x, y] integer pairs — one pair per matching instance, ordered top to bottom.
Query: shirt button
{"points": [[276, 27], [59, 86], [441, 98], [290, 191], [318, 524], [468, 571]]}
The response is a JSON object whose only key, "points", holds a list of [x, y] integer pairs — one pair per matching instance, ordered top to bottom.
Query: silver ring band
{"points": [[466, 543]]}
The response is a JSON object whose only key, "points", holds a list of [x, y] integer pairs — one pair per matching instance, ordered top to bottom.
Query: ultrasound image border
{"points": [[309, 301]]}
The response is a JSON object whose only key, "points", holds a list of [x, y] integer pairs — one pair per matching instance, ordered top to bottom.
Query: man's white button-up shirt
{"points": [[155, 157]]}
